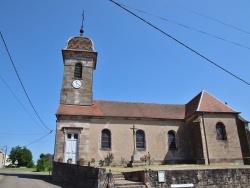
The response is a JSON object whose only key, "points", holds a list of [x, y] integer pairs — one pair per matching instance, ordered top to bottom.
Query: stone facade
{"points": [[82, 95], [78, 126], [171, 134], [122, 139], [192, 146], [206, 147]]}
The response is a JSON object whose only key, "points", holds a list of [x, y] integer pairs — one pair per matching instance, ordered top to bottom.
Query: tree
{"points": [[15, 154], [22, 155], [42, 156], [46, 156], [43, 162]]}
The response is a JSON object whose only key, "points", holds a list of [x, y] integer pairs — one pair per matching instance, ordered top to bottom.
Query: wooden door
{"points": [[71, 147]]}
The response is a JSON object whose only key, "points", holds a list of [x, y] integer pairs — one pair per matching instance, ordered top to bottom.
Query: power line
{"points": [[202, 15], [188, 27], [197, 53], [21, 82], [19, 102], [20, 134], [39, 138]]}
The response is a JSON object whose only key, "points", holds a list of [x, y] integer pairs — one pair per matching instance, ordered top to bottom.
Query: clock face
{"points": [[76, 84]]}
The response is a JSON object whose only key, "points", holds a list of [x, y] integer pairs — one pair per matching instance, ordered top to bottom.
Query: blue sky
{"points": [[135, 62]]}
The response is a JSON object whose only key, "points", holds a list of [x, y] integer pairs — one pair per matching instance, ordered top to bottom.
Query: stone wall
{"points": [[82, 95], [79, 126], [89, 139], [156, 139], [190, 139], [204, 147], [223, 151], [78, 176], [222, 178]]}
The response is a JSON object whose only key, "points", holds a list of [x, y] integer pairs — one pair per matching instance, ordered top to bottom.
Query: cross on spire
{"points": [[81, 30]]}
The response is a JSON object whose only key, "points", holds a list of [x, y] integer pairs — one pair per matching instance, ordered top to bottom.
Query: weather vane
{"points": [[81, 30]]}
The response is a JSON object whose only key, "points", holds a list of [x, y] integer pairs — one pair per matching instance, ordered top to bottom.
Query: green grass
{"points": [[174, 167], [22, 169], [25, 170]]}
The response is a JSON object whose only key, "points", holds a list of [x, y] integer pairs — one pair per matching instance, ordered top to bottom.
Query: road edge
{"points": [[1, 177]]}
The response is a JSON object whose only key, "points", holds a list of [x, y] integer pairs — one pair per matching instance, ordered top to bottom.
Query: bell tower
{"points": [[79, 60]]}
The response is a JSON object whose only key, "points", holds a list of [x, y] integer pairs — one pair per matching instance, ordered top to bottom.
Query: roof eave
{"points": [[94, 54], [211, 113], [117, 117]]}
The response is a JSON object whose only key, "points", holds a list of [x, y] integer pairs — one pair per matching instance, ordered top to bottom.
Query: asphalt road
{"points": [[12, 179]]}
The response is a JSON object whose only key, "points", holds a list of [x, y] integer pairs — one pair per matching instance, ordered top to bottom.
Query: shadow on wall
{"points": [[244, 136], [184, 146]]}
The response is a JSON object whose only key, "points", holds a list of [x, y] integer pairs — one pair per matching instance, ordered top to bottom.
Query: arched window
{"points": [[78, 70], [220, 131], [106, 139], [140, 139], [171, 140]]}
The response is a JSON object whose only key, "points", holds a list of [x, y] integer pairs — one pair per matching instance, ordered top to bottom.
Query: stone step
{"points": [[117, 175], [119, 179], [120, 182], [127, 183], [131, 186]]}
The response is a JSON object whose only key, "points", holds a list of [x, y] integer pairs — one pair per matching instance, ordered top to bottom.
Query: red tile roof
{"points": [[203, 102], [192, 105], [125, 109]]}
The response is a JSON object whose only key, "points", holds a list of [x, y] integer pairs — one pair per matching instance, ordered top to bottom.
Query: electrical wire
{"points": [[202, 15], [182, 25], [194, 51], [22, 83], [20, 102], [20, 134], [39, 138]]}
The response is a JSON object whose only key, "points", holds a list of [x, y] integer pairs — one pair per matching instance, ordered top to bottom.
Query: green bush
{"points": [[41, 165]]}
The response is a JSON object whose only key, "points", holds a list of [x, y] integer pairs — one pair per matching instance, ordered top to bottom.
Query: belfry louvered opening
{"points": [[78, 71]]}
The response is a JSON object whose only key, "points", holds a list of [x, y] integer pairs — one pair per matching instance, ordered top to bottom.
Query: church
{"points": [[202, 131]]}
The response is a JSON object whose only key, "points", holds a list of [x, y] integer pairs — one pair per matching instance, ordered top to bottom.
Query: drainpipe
{"points": [[208, 161]]}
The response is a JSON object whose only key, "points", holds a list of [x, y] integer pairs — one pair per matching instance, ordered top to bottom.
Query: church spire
{"points": [[81, 30]]}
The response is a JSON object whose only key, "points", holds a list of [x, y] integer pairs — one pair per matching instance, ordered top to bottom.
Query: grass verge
{"points": [[174, 167], [25, 170]]}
